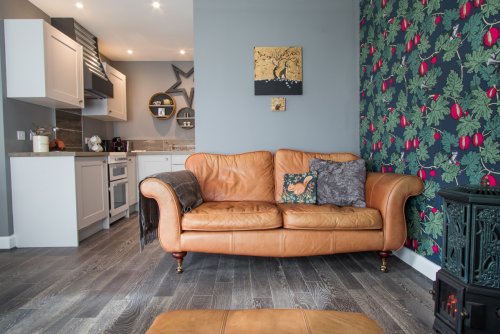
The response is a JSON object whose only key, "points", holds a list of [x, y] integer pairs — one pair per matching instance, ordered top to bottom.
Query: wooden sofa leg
{"points": [[179, 256], [384, 256]]}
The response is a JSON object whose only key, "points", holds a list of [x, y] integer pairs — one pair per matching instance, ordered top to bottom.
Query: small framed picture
{"points": [[278, 104], [161, 111]]}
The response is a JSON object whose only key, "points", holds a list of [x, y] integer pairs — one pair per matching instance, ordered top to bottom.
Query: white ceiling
{"points": [[152, 34]]}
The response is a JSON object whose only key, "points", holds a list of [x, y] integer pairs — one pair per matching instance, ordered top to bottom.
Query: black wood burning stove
{"points": [[467, 288]]}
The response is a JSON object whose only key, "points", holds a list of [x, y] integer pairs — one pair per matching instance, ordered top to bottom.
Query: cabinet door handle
{"points": [[110, 111]]}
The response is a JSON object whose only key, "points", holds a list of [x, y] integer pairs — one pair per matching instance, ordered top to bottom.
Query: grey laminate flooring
{"points": [[107, 286]]}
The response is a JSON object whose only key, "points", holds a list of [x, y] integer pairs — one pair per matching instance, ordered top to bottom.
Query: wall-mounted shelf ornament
{"points": [[175, 87], [162, 105], [185, 118]]}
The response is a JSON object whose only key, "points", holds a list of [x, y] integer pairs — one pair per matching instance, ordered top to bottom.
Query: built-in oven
{"points": [[117, 171], [118, 186]]}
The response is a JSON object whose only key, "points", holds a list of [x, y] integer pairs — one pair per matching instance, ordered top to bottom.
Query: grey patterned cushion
{"points": [[340, 183]]}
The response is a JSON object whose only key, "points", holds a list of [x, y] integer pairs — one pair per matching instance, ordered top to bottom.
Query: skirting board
{"points": [[7, 242], [418, 262]]}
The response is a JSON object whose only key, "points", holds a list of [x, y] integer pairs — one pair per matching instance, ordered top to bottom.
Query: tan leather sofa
{"points": [[241, 213]]}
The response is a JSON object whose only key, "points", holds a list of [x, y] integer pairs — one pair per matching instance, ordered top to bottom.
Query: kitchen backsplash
{"points": [[69, 124], [70, 131], [163, 145]]}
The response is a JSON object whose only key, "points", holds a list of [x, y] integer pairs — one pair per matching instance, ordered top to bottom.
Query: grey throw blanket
{"points": [[188, 192]]}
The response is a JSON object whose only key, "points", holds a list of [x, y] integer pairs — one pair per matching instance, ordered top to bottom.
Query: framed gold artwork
{"points": [[278, 70]]}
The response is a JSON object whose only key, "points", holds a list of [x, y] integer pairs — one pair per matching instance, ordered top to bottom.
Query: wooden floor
{"points": [[107, 286]]}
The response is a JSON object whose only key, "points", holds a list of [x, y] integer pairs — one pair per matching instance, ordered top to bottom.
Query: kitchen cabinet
{"points": [[43, 65], [110, 109], [178, 161], [153, 163], [132, 180], [91, 190], [58, 200]]}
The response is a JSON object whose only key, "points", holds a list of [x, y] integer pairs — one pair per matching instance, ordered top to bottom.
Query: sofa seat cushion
{"points": [[232, 216], [329, 217]]}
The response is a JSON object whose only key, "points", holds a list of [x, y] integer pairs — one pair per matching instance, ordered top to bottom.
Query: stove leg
{"points": [[179, 256], [384, 256]]}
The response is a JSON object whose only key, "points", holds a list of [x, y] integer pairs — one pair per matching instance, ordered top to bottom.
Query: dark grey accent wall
{"points": [[21, 9], [143, 80], [15, 115], [230, 118], [4, 198]]}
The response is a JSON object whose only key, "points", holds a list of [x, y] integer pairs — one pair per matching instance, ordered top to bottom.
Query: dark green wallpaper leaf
{"points": [[430, 81]]}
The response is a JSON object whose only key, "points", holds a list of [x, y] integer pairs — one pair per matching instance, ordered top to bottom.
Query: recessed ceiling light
{"points": [[156, 4], [79, 5], [129, 51], [182, 52]]}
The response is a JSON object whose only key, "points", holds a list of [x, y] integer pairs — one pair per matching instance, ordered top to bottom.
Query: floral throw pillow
{"points": [[340, 183], [300, 188]]}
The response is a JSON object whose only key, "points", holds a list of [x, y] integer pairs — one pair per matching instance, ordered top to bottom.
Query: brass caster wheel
{"points": [[384, 256]]}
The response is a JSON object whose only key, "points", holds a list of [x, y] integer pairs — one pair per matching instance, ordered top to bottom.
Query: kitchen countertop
{"points": [[161, 152], [57, 154], [90, 154]]}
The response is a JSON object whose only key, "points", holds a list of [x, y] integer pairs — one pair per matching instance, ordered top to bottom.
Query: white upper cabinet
{"points": [[43, 65], [111, 109]]}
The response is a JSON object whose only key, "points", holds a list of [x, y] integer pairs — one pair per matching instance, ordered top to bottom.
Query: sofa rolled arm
{"points": [[388, 193], [169, 226]]}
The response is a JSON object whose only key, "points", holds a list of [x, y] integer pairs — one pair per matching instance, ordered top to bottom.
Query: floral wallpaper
{"points": [[430, 81]]}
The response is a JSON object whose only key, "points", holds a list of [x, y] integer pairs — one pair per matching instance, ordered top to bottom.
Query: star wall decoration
{"points": [[174, 88]]}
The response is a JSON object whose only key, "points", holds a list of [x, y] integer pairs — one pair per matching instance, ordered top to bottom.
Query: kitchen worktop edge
{"points": [[163, 152], [89, 154]]}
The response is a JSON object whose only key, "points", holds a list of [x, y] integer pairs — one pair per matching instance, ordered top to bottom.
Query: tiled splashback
{"points": [[69, 124], [70, 131], [163, 145]]}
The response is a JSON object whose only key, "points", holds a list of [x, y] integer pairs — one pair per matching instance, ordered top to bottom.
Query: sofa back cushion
{"points": [[291, 161], [238, 177]]}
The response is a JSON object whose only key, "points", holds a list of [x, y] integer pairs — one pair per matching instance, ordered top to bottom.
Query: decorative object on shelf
{"points": [[278, 70], [175, 87], [278, 104], [162, 105], [185, 118], [94, 144]]}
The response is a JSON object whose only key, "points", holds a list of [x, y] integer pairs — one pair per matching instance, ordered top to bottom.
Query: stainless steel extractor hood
{"points": [[96, 82]]}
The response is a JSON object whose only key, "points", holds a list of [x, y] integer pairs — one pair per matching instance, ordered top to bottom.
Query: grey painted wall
{"points": [[143, 80], [16, 115], [231, 119], [4, 205]]}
